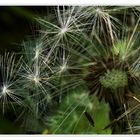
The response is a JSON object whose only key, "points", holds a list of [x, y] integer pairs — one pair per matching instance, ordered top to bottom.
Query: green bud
{"points": [[114, 79]]}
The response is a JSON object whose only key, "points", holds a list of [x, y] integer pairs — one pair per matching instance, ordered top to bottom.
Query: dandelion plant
{"points": [[79, 75]]}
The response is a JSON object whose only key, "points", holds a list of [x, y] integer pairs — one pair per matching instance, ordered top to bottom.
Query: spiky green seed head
{"points": [[114, 79]]}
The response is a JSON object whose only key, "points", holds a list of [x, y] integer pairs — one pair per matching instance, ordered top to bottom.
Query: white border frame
{"points": [[71, 2]]}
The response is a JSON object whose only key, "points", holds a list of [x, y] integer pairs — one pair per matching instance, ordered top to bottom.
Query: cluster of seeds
{"points": [[114, 79]]}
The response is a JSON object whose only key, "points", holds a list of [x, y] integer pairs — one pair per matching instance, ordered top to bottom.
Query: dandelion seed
{"points": [[63, 31], [63, 68], [34, 78], [10, 81], [4, 90]]}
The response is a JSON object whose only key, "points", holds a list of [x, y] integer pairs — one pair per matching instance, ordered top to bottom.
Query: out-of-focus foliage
{"points": [[70, 116]]}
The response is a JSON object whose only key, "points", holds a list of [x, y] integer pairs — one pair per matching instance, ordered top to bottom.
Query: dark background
{"points": [[17, 23]]}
